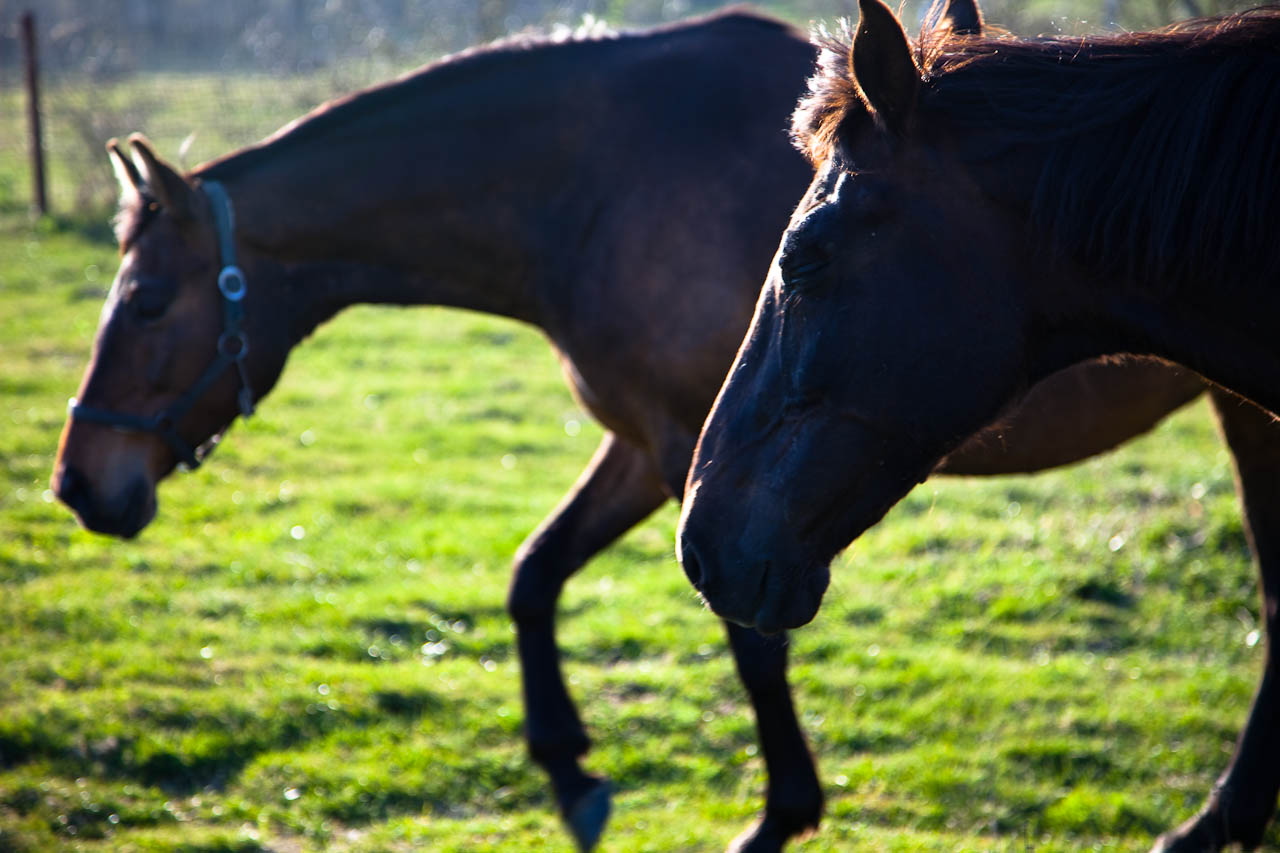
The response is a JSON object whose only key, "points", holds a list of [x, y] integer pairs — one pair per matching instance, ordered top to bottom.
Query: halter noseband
{"points": [[231, 349]]}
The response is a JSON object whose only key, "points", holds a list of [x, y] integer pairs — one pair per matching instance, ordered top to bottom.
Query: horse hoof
{"points": [[588, 816], [757, 838]]}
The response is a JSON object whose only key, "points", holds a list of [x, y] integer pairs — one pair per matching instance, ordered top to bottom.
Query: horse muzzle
{"points": [[123, 514], [744, 583]]}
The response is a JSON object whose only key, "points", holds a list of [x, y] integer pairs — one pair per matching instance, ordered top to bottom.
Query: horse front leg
{"points": [[619, 488], [1244, 798], [793, 802]]}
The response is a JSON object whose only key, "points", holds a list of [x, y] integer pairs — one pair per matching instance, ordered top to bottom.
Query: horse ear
{"points": [[961, 17], [882, 66], [126, 170], [162, 181]]}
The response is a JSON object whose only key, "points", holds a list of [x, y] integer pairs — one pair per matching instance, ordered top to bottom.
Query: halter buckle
{"points": [[232, 283]]}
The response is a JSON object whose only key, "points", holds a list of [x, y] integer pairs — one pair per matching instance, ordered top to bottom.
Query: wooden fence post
{"points": [[35, 140]]}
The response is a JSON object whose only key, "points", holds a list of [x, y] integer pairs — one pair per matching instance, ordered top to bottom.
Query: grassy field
{"points": [[307, 650]]}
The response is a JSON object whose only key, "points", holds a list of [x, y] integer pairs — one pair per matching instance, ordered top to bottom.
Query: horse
{"points": [[577, 186], [986, 211]]}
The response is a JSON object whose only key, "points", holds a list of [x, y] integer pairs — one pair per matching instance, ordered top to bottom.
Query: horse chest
{"points": [[609, 397]]}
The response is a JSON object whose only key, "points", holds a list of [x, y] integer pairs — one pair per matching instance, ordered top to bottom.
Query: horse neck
{"points": [[412, 218], [1169, 254], [1230, 338]]}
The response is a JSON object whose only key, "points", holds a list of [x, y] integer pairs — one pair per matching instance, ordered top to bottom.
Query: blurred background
{"points": [[203, 76]]}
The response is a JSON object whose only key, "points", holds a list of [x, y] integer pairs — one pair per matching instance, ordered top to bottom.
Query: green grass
{"points": [[307, 649]]}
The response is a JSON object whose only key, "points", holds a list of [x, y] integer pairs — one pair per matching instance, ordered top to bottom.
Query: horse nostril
{"points": [[72, 488], [692, 568]]}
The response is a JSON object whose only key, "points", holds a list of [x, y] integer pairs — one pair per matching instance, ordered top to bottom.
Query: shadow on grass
{"points": [[182, 751]]}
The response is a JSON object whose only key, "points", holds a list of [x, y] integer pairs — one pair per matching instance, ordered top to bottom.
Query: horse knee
{"points": [[533, 593]]}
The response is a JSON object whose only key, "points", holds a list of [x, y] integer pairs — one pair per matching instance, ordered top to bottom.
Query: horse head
{"points": [[172, 365], [859, 371]]}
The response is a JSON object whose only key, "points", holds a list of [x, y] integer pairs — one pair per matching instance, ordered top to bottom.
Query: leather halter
{"points": [[231, 349]]}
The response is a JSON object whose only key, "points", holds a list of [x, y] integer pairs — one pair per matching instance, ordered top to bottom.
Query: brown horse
{"points": [[580, 187], [988, 211]]}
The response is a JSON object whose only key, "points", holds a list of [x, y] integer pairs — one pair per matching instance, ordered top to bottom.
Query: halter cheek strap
{"points": [[232, 284], [232, 347]]}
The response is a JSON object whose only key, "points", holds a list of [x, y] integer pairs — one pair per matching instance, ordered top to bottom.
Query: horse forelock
{"points": [[832, 93], [819, 121]]}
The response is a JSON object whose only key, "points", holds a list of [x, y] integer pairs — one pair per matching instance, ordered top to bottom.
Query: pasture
{"points": [[307, 650]]}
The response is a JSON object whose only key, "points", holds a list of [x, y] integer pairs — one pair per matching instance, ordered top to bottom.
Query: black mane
{"points": [[1151, 156]]}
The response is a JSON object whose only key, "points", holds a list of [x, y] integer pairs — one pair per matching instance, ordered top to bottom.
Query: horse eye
{"points": [[811, 245], [804, 260], [150, 297]]}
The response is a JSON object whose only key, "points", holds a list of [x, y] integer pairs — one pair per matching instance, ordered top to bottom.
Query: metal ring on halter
{"points": [[232, 283], [227, 339]]}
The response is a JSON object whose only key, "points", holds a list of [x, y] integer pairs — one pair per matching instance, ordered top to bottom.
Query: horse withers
{"points": [[986, 212]]}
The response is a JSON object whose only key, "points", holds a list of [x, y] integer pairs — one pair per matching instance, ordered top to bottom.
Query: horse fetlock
{"points": [[582, 799], [794, 808], [587, 815]]}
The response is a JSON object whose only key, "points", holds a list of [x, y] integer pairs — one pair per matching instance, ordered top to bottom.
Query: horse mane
{"points": [[498, 57], [1148, 155], [138, 210]]}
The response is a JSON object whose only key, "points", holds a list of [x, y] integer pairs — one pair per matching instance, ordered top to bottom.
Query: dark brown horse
{"points": [[580, 187], [986, 212]]}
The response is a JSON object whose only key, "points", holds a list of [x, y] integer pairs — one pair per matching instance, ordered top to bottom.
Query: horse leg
{"points": [[619, 488], [1244, 797], [793, 800], [793, 803]]}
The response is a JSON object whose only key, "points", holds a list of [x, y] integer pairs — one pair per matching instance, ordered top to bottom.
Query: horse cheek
{"points": [[158, 354]]}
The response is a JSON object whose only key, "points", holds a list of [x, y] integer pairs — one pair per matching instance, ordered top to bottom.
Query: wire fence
{"points": [[202, 77]]}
